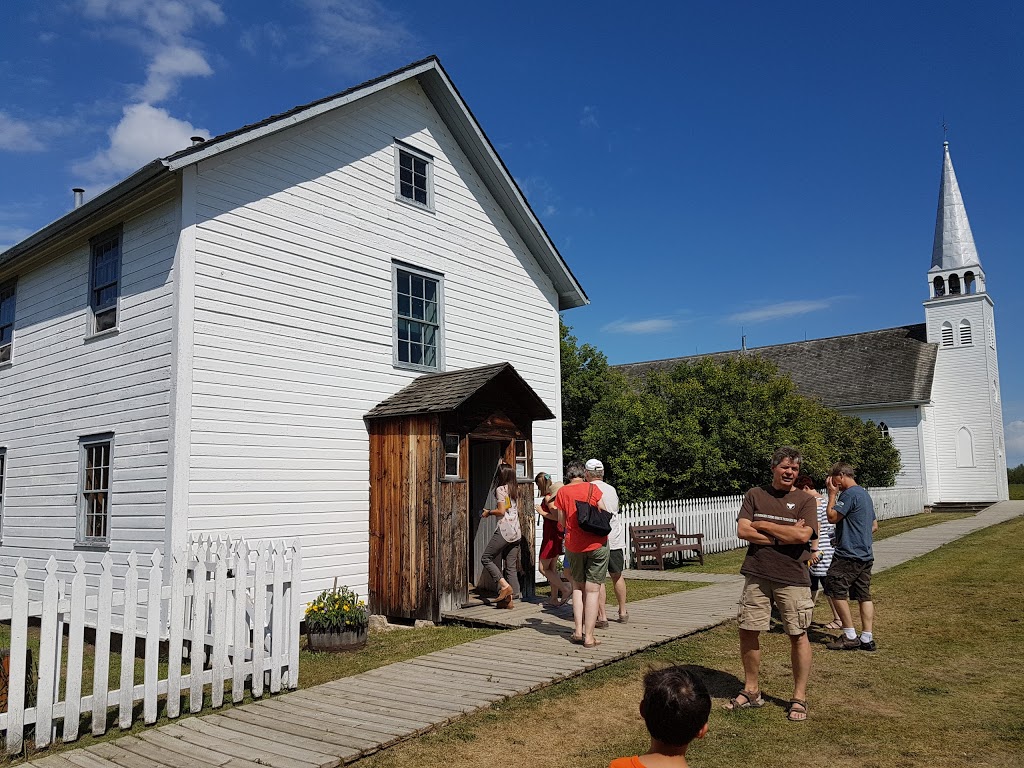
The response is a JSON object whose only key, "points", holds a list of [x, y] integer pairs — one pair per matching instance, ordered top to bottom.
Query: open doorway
{"points": [[484, 457]]}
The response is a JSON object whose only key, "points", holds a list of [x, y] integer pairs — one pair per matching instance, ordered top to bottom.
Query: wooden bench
{"points": [[660, 540]]}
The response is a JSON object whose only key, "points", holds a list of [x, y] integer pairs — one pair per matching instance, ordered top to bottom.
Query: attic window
{"points": [[414, 177], [105, 280], [8, 293], [965, 332], [947, 335], [883, 428]]}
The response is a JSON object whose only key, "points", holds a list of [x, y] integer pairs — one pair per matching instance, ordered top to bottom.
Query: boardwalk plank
{"points": [[260, 740], [333, 742], [232, 744], [166, 758]]}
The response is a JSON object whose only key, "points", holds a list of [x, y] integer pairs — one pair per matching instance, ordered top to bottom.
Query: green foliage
{"points": [[584, 383], [709, 428], [1016, 475], [337, 610]]}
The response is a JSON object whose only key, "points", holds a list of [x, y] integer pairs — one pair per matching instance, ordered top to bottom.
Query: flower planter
{"points": [[336, 642]]}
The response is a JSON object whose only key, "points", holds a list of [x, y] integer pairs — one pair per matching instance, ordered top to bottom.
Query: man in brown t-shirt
{"points": [[778, 521]]}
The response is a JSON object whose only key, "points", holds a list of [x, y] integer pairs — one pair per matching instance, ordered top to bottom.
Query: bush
{"points": [[337, 610]]}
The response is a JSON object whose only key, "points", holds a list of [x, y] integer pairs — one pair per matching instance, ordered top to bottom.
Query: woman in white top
{"points": [[504, 543], [821, 547]]}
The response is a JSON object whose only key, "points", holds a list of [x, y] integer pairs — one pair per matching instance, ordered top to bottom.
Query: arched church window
{"points": [[954, 285], [940, 286], [969, 286], [965, 332], [947, 334], [883, 428], [964, 448]]}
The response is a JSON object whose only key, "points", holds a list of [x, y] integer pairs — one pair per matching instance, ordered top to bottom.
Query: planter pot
{"points": [[336, 642]]}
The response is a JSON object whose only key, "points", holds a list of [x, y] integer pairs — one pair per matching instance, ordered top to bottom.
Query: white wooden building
{"points": [[194, 350], [932, 387]]}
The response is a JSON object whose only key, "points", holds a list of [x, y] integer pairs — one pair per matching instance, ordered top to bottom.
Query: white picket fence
{"points": [[715, 516], [235, 610]]}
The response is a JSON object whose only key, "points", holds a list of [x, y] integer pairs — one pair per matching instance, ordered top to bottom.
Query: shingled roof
{"points": [[894, 365], [449, 391]]}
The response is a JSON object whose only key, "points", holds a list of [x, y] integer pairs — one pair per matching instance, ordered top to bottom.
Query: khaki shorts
{"points": [[589, 566], [755, 606]]}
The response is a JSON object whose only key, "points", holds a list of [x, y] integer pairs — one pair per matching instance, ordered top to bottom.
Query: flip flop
{"points": [[576, 639], [593, 644]]}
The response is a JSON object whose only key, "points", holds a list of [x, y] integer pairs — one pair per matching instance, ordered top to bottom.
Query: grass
{"points": [[1017, 491], [729, 562], [939, 692]]}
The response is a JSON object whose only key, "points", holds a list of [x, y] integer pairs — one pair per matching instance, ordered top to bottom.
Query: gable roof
{"points": [[448, 102], [887, 367], [449, 391]]}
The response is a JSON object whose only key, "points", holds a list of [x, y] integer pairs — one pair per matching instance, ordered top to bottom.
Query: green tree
{"points": [[584, 383], [709, 428], [1016, 475]]}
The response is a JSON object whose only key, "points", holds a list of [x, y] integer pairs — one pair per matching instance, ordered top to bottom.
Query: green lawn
{"points": [[1017, 491], [729, 562], [939, 693]]}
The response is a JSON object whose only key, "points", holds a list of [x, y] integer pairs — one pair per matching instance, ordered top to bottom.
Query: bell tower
{"points": [[964, 423]]}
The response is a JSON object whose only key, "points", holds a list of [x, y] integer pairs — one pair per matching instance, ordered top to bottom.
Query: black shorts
{"points": [[849, 579]]}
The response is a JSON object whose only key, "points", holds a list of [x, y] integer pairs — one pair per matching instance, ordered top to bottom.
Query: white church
{"points": [[932, 387]]}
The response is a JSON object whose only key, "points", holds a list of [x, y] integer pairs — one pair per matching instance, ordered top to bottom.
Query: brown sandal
{"points": [[751, 700], [796, 712]]}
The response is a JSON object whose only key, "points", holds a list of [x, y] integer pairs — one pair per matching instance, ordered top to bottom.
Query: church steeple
{"points": [[956, 268]]}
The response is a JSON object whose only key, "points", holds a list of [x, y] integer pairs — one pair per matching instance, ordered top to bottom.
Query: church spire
{"points": [[953, 246]]}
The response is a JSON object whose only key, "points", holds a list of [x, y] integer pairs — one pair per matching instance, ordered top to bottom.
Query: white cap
{"points": [[594, 465]]}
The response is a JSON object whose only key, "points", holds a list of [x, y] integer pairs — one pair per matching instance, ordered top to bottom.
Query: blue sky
{"points": [[707, 169]]}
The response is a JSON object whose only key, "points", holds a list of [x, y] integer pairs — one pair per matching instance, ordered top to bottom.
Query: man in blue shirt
{"points": [[849, 577]]}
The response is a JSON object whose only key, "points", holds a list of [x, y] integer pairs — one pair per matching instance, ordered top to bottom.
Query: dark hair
{"points": [[786, 452], [842, 468], [575, 469], [507, 478], [543, 481], [804, 482], [676, 705]]}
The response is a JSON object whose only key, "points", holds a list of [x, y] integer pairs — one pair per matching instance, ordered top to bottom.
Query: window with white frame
{"points": [[414, 176], [105, 280], [8, 295], [418, 308], [883, 428], [95, 454], [451, 455], [522, 461], [3, 483]]}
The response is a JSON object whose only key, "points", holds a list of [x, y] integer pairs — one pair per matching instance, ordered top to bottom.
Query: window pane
{"points": [[405, 160], [405, 176], [421, 196], [403, 282], [417, 286], [430, 290], [403, 305], [417, 309], [430, 312], [106, 320], [415, 333], [403, 352], [415, 354], [430, 356], [451, 445], [451, 466], [520, 467]]}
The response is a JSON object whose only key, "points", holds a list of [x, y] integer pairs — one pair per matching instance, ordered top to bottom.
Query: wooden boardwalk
{"points": [[341, 721]]}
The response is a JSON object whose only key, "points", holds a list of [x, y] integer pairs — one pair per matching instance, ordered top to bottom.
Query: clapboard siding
{"points": [[295, 238], [63, 386], [963, 396], [903, 430]]}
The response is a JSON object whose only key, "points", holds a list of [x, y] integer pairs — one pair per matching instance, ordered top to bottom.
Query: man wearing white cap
{"points": [[616, 543]]}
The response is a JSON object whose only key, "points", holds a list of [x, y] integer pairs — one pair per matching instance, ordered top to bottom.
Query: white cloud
{"points": [[167, 19], [351, 32], [255, 40], [167, 68], [589, 119], [144, 134], [17, 135], [12, 235], [779, 311], [651, 325], [1015, 438]]}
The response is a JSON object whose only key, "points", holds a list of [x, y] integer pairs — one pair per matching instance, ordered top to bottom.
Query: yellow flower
{"points": [[345, 608]]}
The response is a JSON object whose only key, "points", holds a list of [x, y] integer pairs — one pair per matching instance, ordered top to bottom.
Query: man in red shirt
{"points": [[778, 520], [588, 553]]}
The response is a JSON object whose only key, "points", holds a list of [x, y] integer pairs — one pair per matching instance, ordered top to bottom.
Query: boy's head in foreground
{"points": [[676, 706]]}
